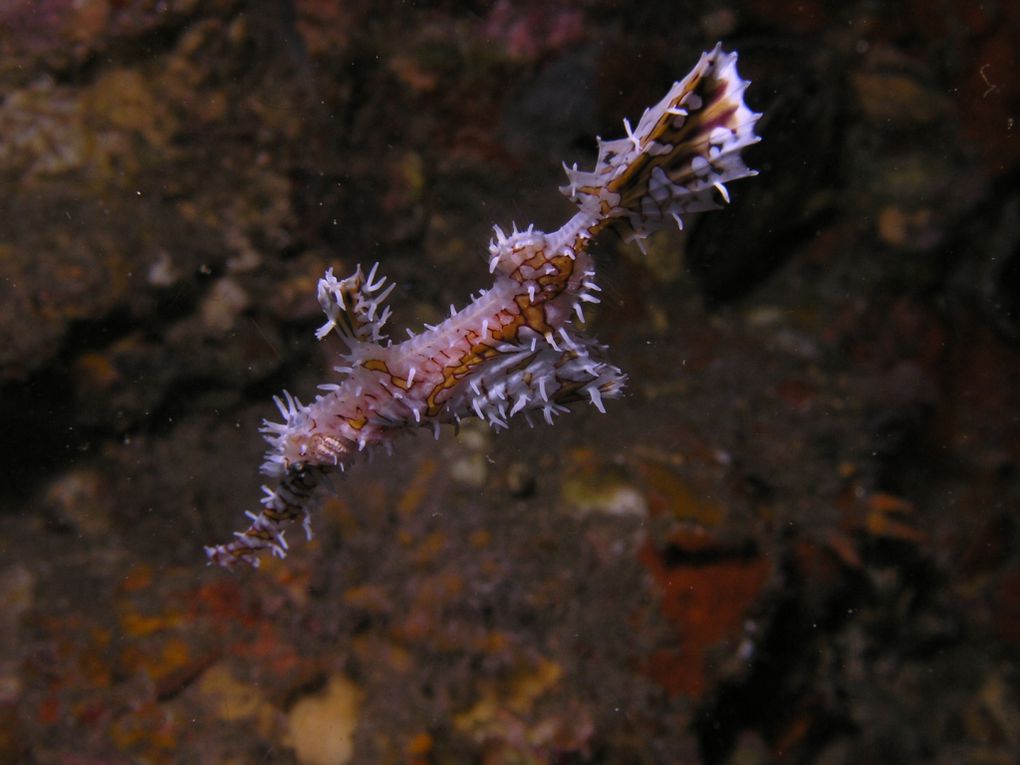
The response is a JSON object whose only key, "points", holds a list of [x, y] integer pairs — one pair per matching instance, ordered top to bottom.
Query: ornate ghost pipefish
{"points": [[514, 349]]}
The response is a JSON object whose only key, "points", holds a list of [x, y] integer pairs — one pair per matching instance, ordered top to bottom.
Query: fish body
{"points": [[516, 350]]}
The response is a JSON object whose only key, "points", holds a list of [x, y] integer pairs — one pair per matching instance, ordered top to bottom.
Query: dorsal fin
{"points": [[355, 307]]}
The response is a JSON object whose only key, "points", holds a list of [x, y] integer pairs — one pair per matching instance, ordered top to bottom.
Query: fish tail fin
{"points": [[678, 159]]}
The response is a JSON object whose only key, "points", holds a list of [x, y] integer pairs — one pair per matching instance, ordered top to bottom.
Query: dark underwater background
{"points": [[794, 540]]}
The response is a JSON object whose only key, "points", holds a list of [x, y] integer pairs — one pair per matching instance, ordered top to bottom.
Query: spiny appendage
{"points": [[678, 158], [508, 253], [355, 307], [538, 374], [580, 374], [284, 451], [291, 500]]}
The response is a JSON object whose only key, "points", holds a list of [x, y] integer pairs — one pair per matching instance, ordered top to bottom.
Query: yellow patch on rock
{"points": [[516, 697], [232, 699], [322, 726]]}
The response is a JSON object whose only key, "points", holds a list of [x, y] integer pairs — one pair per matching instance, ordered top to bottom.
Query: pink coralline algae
{"points": [[515, 349]]}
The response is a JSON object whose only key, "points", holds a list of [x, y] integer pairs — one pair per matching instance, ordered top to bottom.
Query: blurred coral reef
{"points": [[795, 540]]}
